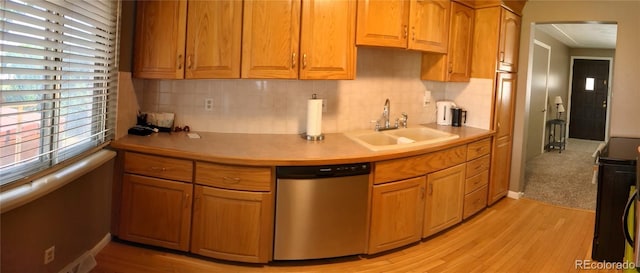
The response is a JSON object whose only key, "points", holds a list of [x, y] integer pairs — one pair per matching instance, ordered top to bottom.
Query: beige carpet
{"points": [[563, 179]]}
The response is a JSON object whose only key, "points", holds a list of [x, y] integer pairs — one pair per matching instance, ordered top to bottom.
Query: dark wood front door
{"points": [[589, 90]]}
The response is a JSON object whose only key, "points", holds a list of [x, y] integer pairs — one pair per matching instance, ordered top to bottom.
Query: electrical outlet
{"points": [[426, 99], [208, 104], [324, 105], [49, 254]]}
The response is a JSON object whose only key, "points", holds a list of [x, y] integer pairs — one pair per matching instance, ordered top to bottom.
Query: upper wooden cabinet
{"points": [[416, 24], [160, 39], [176, 42], [496, 42], [277, 43], [454, 66]]}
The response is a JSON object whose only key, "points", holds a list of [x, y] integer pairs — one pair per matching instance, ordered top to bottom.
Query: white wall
{"points": [[625, 91]]}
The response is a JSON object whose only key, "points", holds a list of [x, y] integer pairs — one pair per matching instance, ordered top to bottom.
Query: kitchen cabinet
{"points": [[417, 25], [160, 39], [281, 40], [200, 41], [496, 42], [454, 66], [503, 140], [476, 184], [444, 199], [156, 201], [156, 211], [233, 212], [396, 214], [232, 225]]}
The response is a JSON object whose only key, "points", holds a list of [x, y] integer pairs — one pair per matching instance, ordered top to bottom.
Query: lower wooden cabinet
{"points": [[500, 170], [444, 199], [157, 211], [396, 214], [232, 225]]}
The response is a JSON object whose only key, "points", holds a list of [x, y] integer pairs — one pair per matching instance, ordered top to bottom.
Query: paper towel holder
{"points": [[312, 137]]}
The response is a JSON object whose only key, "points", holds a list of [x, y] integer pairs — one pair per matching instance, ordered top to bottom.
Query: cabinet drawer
{"points": [[478, 149], [158, 166], [476, 166], [404, 168], [234, 177], [477, 181], [474, 202]]}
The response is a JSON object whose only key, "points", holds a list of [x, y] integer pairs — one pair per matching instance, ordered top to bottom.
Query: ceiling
{"points": [[582, 35]]}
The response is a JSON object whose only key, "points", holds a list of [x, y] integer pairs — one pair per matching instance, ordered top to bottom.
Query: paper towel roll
{"points": [[314, 117]]}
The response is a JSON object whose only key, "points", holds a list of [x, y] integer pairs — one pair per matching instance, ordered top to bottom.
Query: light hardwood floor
{"points": [[511, 236]]}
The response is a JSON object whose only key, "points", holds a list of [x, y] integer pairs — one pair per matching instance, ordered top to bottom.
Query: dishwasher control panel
{"points": [[323, 170]]}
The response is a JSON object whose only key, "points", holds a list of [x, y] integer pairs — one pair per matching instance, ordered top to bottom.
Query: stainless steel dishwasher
{"points": [[321, 211]]}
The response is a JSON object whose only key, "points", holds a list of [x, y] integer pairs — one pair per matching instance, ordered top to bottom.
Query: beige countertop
{"points": [[280, 149]]}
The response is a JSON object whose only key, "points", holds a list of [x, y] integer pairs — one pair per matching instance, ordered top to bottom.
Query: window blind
{"points": [[58, 76]]}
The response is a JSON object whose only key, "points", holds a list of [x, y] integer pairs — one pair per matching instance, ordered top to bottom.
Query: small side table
{"points": [[557, 139]]}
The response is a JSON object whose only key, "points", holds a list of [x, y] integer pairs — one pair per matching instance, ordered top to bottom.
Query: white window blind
{"points": [[58, 78]]}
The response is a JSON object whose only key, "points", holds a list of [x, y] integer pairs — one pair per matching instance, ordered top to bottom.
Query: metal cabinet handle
{"points": [[406, 31], [413, 33], [502, 56], [293, 60], [180, 61], [304, 61], [189, 62], [450, 67], [161, 169], [230, 180], [430, 189], [422, 192], [186, 200]]}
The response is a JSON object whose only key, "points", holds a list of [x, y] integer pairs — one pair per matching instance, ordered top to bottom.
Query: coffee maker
{"points": [[458, 116]]}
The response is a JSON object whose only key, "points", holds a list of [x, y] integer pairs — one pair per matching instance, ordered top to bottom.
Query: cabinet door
{"points": [[383, 23], [429, 25], [214, 29], [270, 39], [159, 40], [327, 40], [509, 41], [460, 43], [504, 104], [500, 170], [445, 198], [156, 211], [396, 214], [232, 225]]}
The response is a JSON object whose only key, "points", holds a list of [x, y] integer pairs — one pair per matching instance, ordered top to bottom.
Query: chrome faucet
{"points": [[386, 112]]}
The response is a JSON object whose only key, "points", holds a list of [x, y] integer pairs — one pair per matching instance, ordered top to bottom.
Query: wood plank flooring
{"points": [[511, 236]]}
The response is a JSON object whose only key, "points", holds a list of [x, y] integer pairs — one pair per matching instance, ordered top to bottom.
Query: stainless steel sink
{"points": [[399, 138]]}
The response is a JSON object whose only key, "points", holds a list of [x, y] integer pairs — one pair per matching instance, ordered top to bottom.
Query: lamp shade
{"points": [[558, 100], [560, 108]]}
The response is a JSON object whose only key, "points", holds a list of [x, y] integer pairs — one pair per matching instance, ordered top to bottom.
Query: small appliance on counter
{"points": [[443, 112], [457, 115]]}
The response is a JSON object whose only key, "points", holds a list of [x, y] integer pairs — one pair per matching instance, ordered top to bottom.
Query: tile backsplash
{"points": [[279, 106]]}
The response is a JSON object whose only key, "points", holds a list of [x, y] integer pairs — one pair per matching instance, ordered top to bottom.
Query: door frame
{"points": [[546, 94], [608, 110]]}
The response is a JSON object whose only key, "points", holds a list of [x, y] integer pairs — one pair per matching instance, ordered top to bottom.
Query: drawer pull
{"points": [[161, 169], [231, 180]]}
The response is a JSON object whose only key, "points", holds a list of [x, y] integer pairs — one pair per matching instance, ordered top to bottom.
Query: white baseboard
{"points": [[515, 195], [86, 261]]}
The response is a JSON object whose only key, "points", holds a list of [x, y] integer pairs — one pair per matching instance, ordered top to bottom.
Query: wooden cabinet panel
{"points": [[383, 23], [429, 25], [214, 30], [270, 39], [159, 40], [327, 40], [509, 41], [455, 66], [504, 104], [478, 149], [478, 165], [158, 166], [402, 168], [500, 169], [234, 177], [476, 181], [444, 199], [475, 202], [156, 212], [396, 214], [232, 225]]}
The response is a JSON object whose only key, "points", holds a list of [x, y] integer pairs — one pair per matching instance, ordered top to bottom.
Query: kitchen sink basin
{"points": [[399, 138]]}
